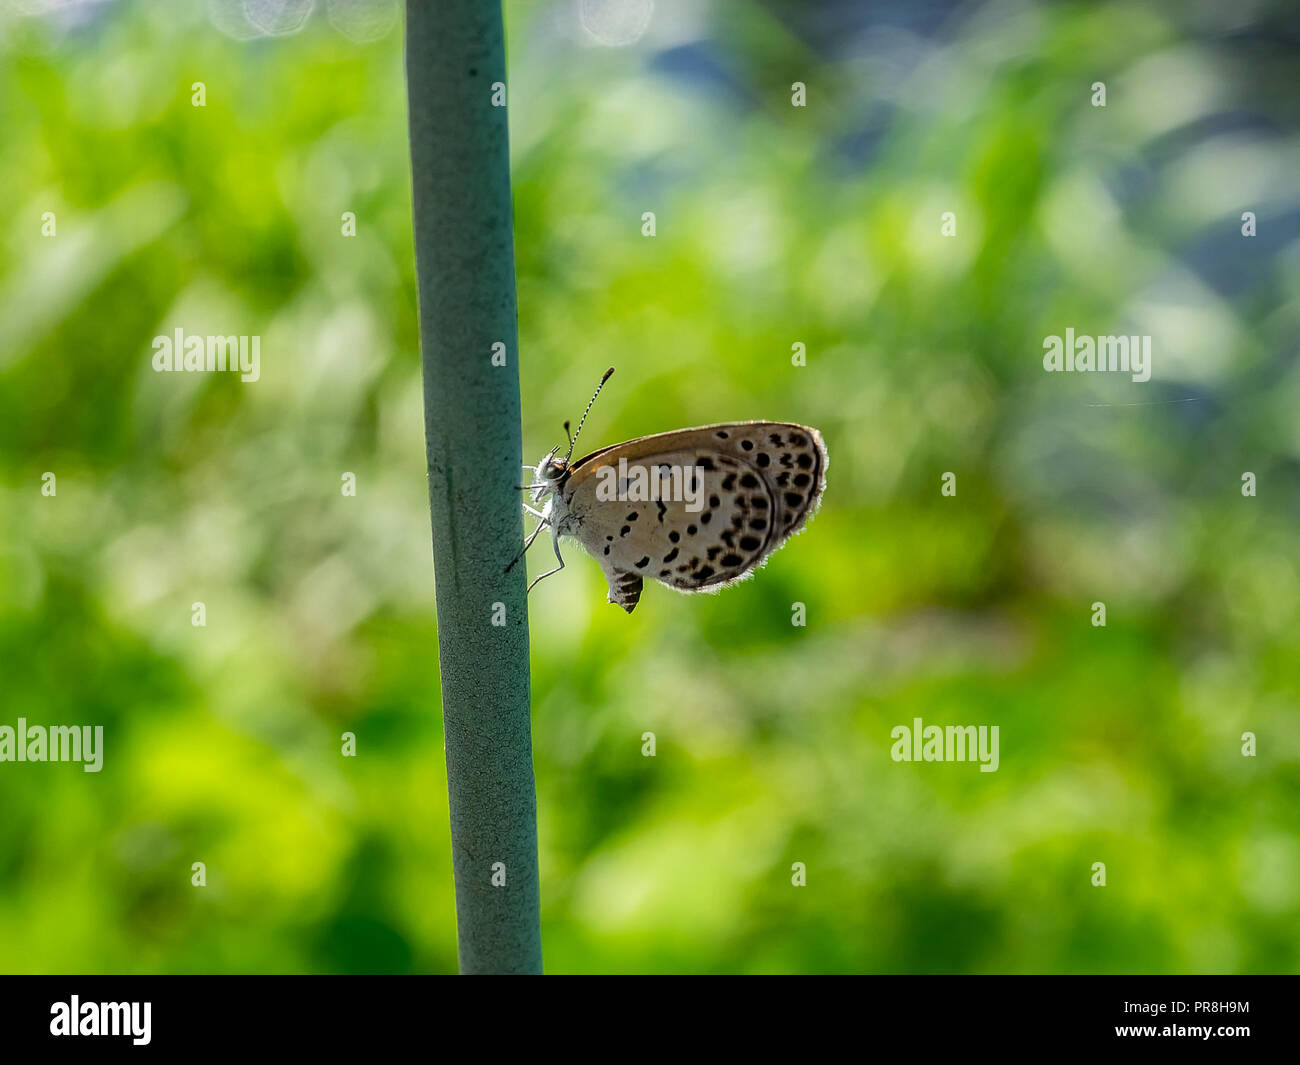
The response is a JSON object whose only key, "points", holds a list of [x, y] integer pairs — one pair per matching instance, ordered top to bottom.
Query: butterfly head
{"points": [[549, 475]]}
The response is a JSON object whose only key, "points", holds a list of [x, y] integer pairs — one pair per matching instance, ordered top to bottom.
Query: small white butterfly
{"points": [[697, 509]]}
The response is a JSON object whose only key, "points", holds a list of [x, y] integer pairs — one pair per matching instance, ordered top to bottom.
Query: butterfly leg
{"points": [[535, 513], [529, 542], [555, 542]]}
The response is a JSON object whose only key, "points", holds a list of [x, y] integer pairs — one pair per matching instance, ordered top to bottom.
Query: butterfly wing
{"points": [[758, 483]]}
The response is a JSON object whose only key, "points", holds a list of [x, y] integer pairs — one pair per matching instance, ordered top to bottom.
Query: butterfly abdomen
{"points": [[625, 590]]}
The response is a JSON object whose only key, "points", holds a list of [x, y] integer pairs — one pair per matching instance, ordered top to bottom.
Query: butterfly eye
{"points": [[552, 470]]}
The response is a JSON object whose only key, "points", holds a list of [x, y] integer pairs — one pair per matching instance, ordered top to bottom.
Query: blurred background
{"points": [[775, 225]]}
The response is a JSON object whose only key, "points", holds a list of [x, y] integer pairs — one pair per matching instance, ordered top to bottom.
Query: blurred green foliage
{"points": [[775, 225]]}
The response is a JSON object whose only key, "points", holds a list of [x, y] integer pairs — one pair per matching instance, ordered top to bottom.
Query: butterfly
{"points": [[697, 509]]}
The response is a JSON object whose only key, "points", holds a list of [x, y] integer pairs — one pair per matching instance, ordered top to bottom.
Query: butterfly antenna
{"points": [[569, 435], [574, 439]]}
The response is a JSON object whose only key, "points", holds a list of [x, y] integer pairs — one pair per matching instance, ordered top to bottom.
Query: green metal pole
{"points": [[464, 244]]}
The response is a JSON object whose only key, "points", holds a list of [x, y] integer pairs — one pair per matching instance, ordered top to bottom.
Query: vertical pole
{"points": [[464, 243]]}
